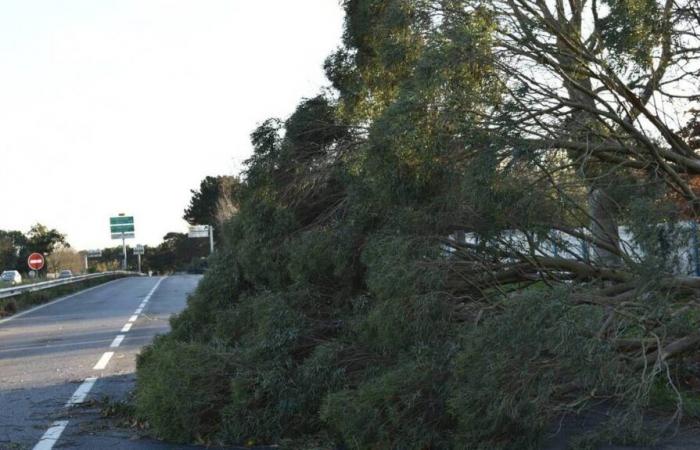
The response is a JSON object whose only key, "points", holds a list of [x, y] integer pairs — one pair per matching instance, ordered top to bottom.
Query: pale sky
{"points": [[110, 106]]}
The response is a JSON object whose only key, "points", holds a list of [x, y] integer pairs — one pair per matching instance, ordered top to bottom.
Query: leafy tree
{"points": [[205, 204], [43, 240], [12, 245], [403, 246], [15, 247], [176, 252], [65, 259]]}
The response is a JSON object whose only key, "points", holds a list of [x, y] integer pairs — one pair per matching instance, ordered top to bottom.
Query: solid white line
{"points": [[59, 300], [138, 311], [133, 318], [127, 327], [117, 341], [102, 363], [82, 392], [49, 438]]}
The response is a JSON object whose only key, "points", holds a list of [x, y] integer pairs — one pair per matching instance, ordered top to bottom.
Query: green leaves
{"points": [[632, 29], [345, 313]]}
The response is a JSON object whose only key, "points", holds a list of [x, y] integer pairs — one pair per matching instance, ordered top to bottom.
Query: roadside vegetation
{"points": [[16, 246], [176, 253], [386, 275]]}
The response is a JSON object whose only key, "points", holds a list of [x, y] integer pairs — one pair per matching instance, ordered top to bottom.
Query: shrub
{"points": [[182, 388]]}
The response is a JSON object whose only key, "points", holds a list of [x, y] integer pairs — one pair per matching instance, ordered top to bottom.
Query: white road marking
{"points": [[150, 294], [36, 308], [138, 311], [133, 318], [117, 341], [102, 363], [82, 392], [49, 439]]}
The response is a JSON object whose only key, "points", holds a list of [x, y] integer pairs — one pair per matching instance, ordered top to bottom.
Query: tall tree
{"points": [[213, 195], [44, 240], [12, 245], [405, 248]]}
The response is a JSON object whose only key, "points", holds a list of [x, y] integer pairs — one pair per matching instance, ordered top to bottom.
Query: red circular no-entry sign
{"points": [[35, 261]]}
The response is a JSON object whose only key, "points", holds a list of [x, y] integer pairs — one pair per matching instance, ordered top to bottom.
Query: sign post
{"points": [[122, 227], [203, 231], [211, 239], [139, 250], [91, 254]]}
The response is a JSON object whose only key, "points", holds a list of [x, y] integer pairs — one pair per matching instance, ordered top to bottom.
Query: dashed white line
{"points": [[117, 341], [102, 363], [82, 392], [49, 439]]}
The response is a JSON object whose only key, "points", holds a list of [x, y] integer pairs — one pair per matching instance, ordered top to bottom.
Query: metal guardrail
{"points": [[16, 290]]}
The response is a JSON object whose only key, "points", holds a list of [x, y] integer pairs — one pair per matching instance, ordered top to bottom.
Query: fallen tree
{"points": [[367, 294]]}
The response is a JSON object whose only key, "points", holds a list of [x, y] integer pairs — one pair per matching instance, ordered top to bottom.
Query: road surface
{"points": [[55, 359]]}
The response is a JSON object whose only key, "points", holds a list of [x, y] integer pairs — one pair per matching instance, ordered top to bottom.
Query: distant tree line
{"points": [[16, 246], [176, 253]]}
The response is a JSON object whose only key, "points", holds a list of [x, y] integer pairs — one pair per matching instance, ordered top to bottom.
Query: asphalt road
{"points": [[55, 360]]}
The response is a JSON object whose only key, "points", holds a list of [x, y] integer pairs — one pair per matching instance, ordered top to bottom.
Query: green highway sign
{"points": [[121, 220], [122, 227]]}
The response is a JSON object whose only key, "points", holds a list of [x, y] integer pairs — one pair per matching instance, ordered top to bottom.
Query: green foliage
{"points": [[632, 29], [205, 202], [43, 240], [12, 245], [15, 247], [176, 252], [334, 313], [512, 373], [265, 401], [186, 405], [403, 407]]}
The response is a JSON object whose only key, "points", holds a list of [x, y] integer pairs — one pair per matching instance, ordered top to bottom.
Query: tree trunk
{"points": [[602, 208], [604, 228]]}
